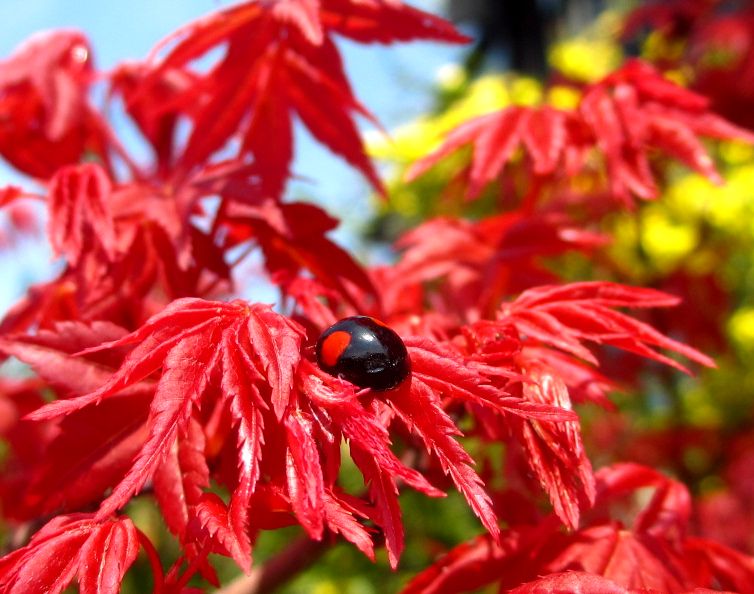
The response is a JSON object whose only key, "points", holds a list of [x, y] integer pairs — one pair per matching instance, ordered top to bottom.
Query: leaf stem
{"points": [[299, 555], [154, 561]]}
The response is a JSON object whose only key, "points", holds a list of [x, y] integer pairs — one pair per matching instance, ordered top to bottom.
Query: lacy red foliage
{"points": [[717, 41], [281, 60], [626, 116], [47, 119], [152, 380], [97, 553], [653, 553]]}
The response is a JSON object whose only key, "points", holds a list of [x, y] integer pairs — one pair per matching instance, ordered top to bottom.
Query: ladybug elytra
{"points": [[365, 352]]}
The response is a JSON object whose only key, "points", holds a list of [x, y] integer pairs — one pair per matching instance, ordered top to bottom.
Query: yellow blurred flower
{"points": [[586, 60], [526, 91], [562, 97], [665, 240], [741, 327], [325, 587]]}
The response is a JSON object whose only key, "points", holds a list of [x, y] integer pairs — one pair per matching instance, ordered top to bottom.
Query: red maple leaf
{"points": [[384, 21], [281, 60], [634, 110], [625, 116], [46, 118], [158, 127], [552, 138], [80, 216], [292, 237], [131, 248], [479, 263], [566, 316], [183, 340], [513, 348], [585, 382], [160, 391], [25, 442], [90, 449], [555, 451], [179, 484], [98, 553], [652, 555], [572, 582], [580, 582]]}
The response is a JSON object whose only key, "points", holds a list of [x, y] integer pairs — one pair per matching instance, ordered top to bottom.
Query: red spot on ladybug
{"points": [[333, 346], [365, 352]]}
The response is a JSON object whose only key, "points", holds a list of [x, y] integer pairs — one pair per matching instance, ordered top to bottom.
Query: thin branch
{"points": [[286, 565]]}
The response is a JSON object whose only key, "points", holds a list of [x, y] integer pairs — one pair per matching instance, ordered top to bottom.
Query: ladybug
{"points": [[365, 352]]}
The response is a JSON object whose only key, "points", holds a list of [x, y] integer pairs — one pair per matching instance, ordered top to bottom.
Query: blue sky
{"points": [[394, 82]]}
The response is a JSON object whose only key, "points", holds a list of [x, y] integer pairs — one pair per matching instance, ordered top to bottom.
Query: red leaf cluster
{"points": [[716, 39], [294, 69], [625, 117], [47, 120], [79, 211], [152, 379], [269, 398], [98, 554], [650, 554]]}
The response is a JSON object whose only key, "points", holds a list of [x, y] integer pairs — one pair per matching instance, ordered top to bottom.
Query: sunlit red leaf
{"points": [[385, 21], [295, 68], [635, 109], [629, 113], [47, 121], [158, 127], [495, 138], [80, 214], [293, 237], [482, 262], [567, 316], [182, 342], [49, 354], [250, 358], [447, 374], [246, 404], [217, 408], [419, 408], [369, 444], [93, 446], [555, 451], [305, 481], [179, 482], [384, 492], [213, 516], [340, 519], [99, 553], [106, 556], [604, 557], [482, 561], [713, 563], [571, 582]]}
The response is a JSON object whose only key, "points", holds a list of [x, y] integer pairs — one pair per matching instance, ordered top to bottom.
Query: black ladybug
{"points": [[365, 352]]}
